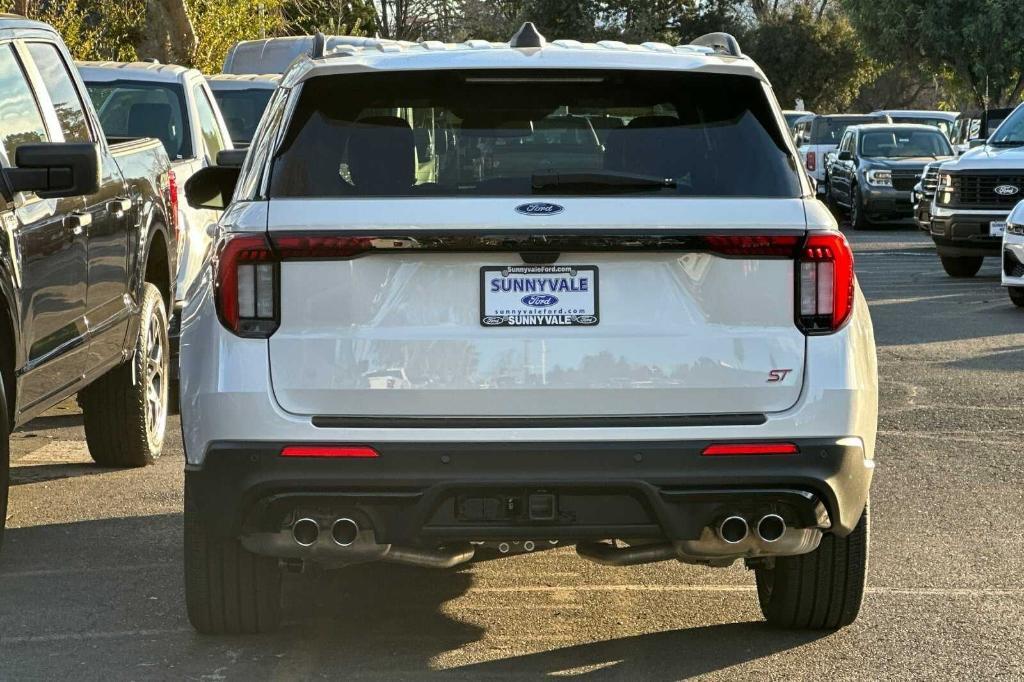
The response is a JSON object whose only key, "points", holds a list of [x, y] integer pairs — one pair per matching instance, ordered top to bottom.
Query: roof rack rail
{"points": [[722, 43], [319, 45]]}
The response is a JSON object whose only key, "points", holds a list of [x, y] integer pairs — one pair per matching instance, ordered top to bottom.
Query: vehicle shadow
{"points": [[37, 473], [92, 587], [669, 655]]}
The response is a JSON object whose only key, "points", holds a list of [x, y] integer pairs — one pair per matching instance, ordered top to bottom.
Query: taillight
{"points": [[811, 161], [172, 202], [749, 246], [247, 272], [825, 284]]}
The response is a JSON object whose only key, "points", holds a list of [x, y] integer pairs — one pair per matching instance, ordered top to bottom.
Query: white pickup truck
{"points": [[173, 104]]}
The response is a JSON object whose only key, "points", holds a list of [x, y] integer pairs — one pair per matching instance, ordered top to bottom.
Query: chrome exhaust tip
{"points": [[771, 528], [733, 530], [344, 531], [306, 532]]}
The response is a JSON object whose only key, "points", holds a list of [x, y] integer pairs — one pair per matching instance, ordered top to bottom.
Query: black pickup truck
{"points": [[87, 259]]}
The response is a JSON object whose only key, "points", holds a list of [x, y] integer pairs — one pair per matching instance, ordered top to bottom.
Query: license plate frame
{"points": [[573, 305]]}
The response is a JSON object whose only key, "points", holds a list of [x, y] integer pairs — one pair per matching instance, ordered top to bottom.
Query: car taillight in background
{"points": [[811, 161], [172, 203], [249, 274], [825, 284]]}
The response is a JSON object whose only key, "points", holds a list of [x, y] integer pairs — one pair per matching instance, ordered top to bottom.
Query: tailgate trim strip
{"points": [[611, 421]]}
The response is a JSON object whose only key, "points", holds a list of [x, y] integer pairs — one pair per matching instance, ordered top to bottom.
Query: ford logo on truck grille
{"points": [[1006, 190], [539, 208]]}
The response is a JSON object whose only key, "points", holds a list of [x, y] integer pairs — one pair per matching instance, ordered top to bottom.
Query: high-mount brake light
{"points": [[825, 283], [750, 449], [338, 451]]}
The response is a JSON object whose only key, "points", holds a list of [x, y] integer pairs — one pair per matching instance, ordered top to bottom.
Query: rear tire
{"points": [[962, 266], [1017, 296], [126, 419], [228, 590], [822, 590]]}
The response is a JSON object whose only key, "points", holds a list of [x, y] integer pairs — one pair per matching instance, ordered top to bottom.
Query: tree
{"points": [[333, 17], [219, 24], [979, 43], [816, 58]]}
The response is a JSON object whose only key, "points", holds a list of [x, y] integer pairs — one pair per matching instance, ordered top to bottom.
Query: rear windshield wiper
{"points": [[599, 181]]}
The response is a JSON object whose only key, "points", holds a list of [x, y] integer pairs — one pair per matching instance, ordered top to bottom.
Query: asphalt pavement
{"points": [[91, 577]]}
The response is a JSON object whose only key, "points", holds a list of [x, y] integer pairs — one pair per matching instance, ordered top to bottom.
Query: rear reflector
{"points": [[751, 449], [351, 451]]}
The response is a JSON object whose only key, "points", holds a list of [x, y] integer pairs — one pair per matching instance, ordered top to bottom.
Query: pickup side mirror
{"points": [[845, 156], [233, 158], [55, 169], [212, 187]]}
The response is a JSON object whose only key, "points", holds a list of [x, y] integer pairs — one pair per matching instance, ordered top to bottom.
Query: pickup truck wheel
{"points": [[858, 220], [961, 266], [1017, 296], [125, 410], [228, 590], [822, 590]]}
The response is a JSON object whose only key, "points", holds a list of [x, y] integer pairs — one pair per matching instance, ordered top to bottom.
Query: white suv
{"points": [[485, 298]]}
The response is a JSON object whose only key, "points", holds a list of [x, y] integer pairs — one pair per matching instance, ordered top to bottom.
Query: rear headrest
{"points": [[382, 155]]}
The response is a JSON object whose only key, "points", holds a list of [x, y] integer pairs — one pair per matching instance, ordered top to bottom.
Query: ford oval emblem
{"points": [[1006, 190], [539, 208], [540, 300]]}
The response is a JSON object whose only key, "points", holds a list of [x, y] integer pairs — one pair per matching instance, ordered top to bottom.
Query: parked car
{"points": [[275, 55], [242, 100], [173, 104], [793, 116], [943, 120], [971, 130], [820, 135], [877, 167], [974, 197], [1013, 255], [87, 263], [609, 353]]}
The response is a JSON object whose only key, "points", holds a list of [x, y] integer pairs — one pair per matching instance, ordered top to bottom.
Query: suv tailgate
{"points": [[400, 334]]}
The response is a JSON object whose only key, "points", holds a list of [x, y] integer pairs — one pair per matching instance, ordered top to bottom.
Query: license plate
{"points": [[996, 228], [538, 296]]}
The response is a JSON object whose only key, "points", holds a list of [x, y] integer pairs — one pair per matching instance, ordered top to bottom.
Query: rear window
{"points": [[130, 110], [242, 110], [945, 125], [829, 130], [485, 133], [896, 144]]}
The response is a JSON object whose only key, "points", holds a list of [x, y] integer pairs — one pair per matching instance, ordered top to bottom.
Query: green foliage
{"points": [[332, 17], [219, 24], [93, 29], [979, 42], [817, 59]]}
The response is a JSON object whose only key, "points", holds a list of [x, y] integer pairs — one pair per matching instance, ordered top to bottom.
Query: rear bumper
{"points": [[965, 234], [416, 493]]}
